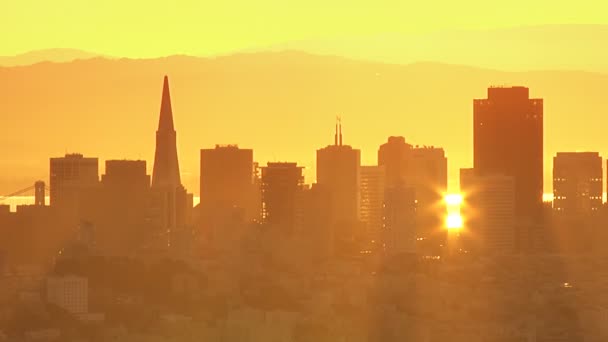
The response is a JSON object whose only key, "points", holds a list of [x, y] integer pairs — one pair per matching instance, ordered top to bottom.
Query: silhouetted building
{"points": [[508, 141], [395, 156], [166, 166], [424, 170], [338, 172], [126, 174], [70, 178], [429, 178], [227, 181], [577, 183], [281, 184], [372, 184], [577, 200], [172, 201], [488, 209], [121, 220], [400, 220], [315, 224], [70, 293]]}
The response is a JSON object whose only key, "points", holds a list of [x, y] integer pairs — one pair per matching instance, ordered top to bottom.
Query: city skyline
{"points": [[208, 116], [166, 123], [303, 171]]}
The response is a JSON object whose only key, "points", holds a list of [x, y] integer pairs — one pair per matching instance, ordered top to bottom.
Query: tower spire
{"points": [[165, 122], [166, 165]]}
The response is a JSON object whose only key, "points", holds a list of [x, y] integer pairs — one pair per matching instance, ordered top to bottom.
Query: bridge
{"points": [[39, 189]]}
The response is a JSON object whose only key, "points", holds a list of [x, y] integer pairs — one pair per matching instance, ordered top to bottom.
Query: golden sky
{"points": [[201, 27]]}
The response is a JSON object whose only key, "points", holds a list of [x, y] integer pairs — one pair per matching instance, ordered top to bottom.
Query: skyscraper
{"points": [[508, 141], [395, 156], [166, 167], [422, 170], [338, 172], [126, 174], [69, 177], [429, 178], [227, 180], [577, 183], [281, 184], [372, 187], [172, 201], [489, 212], [123, 220], [400, 220], [315, 224]]}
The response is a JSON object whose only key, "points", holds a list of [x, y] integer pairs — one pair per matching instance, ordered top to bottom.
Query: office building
{"points": [[508, 141], [338, 172], [69, 177], [227, 180], [577, 183], [281, 185], [372, 185], [488, 209], [400, 221], [70, 293]]}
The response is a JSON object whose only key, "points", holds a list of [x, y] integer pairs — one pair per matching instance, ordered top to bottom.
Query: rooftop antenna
{"points": [[340, 126], [336, 133]]}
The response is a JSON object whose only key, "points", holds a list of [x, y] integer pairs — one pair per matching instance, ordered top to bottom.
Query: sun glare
{"points": [[453, 199], [453, 203], [454, 221]]}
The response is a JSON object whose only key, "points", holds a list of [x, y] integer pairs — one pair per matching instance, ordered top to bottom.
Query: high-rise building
{"points": [[508, 141], [395, 156], [166, 166], [424, 171], [338, 172], [126, 174], [70, 176], [429, 178], [227, 180], [577, 183], [281, 184], [172, 201], [371, 209], [488, 209], [122, 220], [400, 220], [315, 222], [70, 293]]}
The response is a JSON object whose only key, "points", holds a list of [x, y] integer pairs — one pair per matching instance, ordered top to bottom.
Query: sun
{"points": [[453, 199], [453, 203], [454, 221]]}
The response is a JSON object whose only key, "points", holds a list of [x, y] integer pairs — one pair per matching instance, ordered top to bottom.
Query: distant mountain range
{"points": [[551, 47], [48, 55], [281, 104]]}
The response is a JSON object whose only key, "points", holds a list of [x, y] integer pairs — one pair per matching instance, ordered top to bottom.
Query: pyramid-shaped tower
{"points": [[166, 166]]}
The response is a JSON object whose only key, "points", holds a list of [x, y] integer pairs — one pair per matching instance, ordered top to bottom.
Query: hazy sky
{"points": [[138, 28]]}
